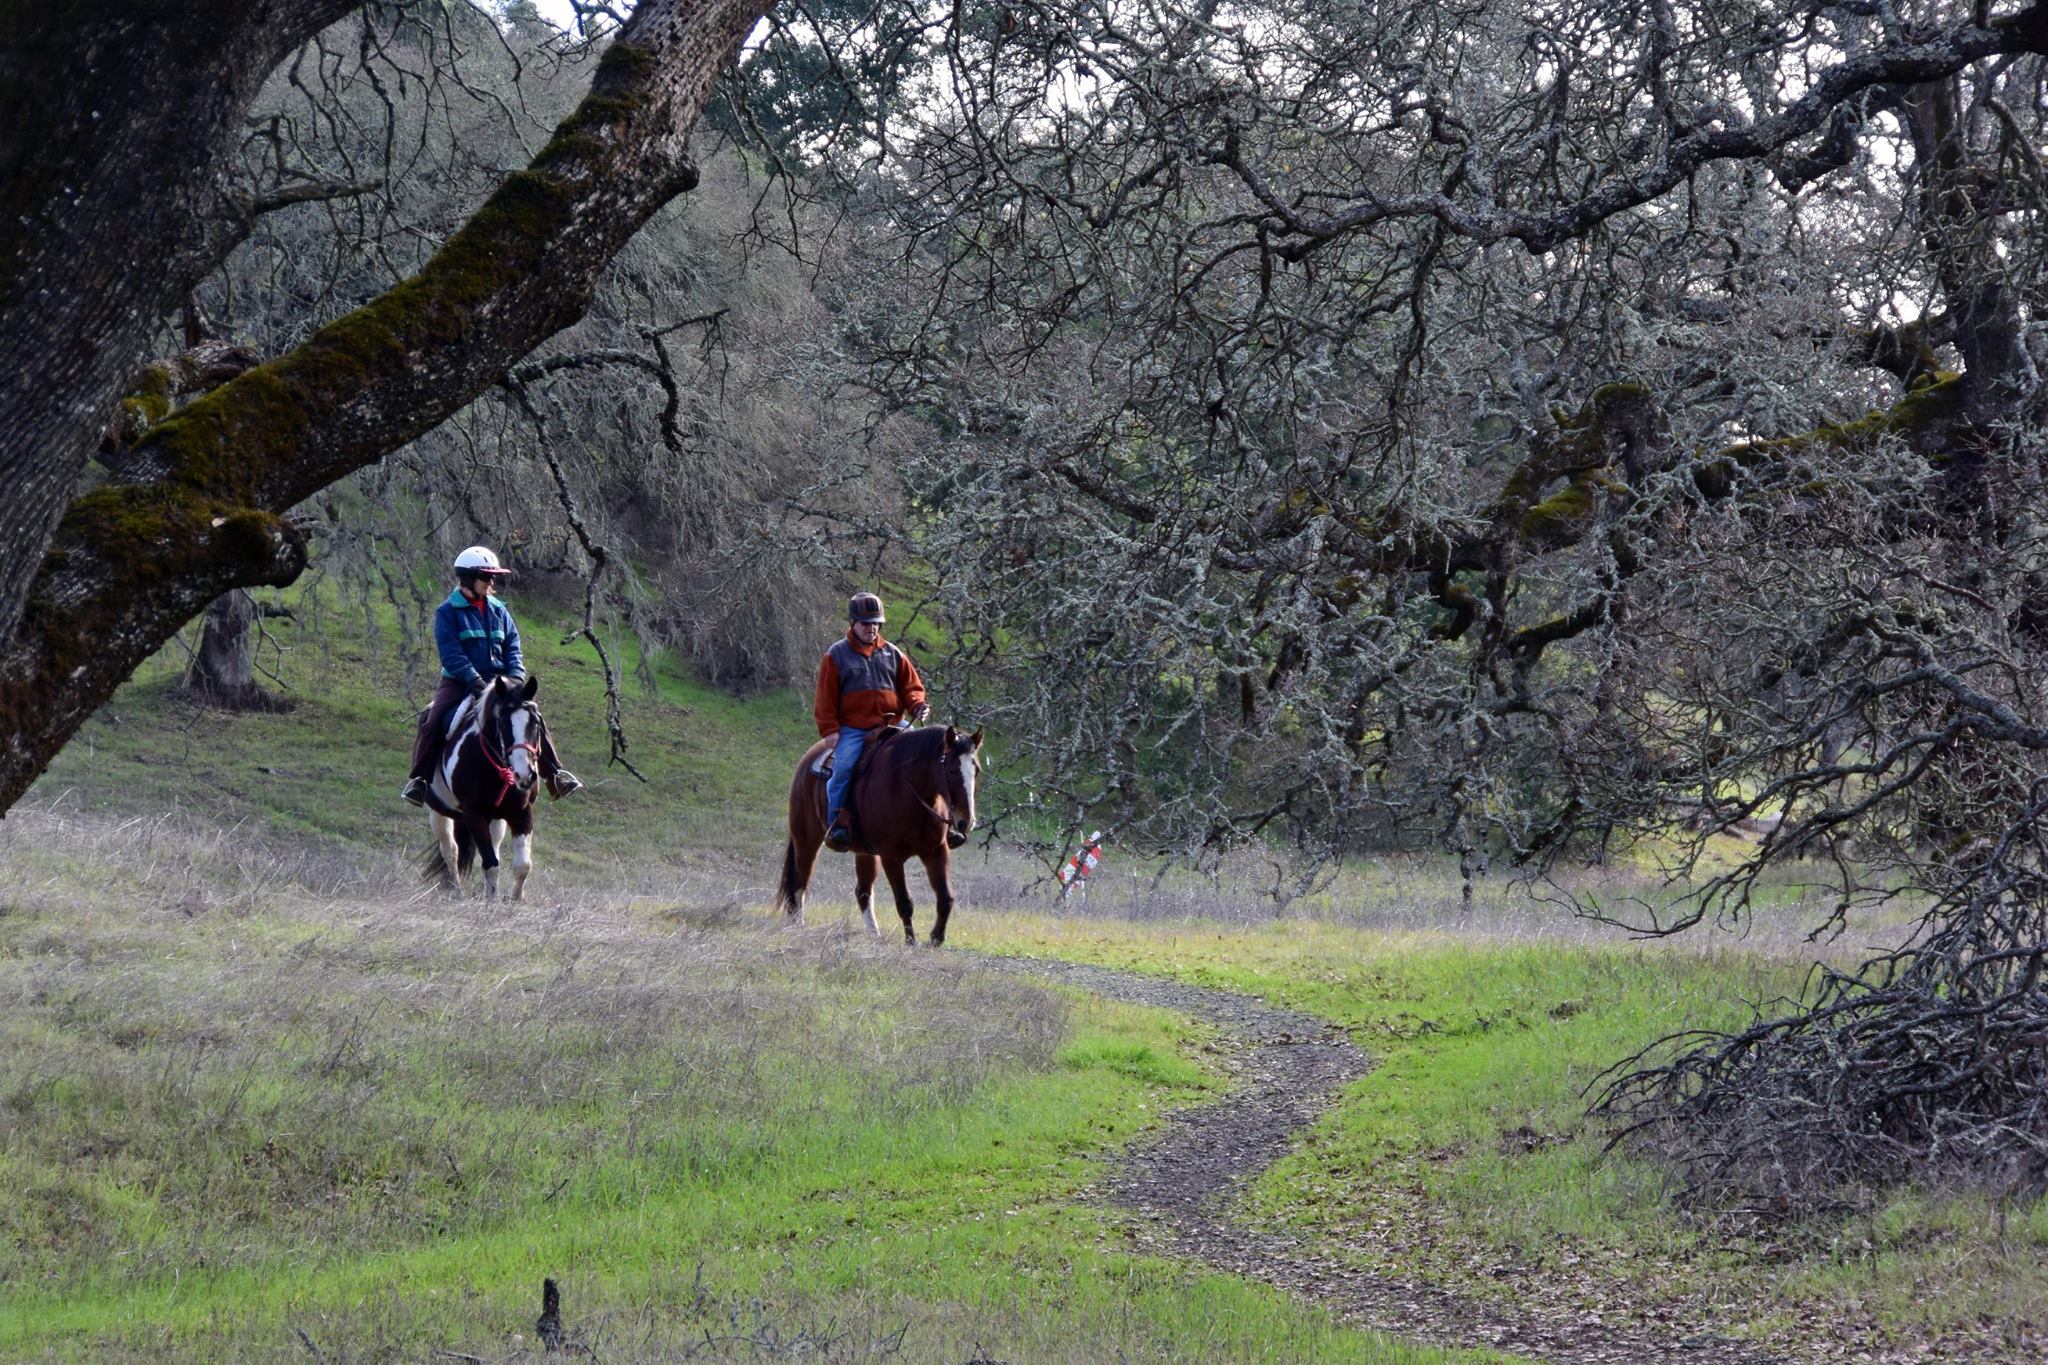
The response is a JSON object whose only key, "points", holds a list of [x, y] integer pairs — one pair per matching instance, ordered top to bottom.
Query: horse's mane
{"points": [[492, 703], [912, 746]]}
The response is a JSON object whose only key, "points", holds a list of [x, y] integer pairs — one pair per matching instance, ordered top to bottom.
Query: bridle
{"points": [[502, 766]]}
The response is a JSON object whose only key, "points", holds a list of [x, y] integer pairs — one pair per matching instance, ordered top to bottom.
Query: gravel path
{"points": [[1182, 1187]]}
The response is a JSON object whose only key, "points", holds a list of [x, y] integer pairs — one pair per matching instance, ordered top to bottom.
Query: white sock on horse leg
{"points": [[522, 863]]}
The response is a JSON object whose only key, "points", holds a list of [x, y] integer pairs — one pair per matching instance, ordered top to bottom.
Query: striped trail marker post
{"points": [[1074, 876]]}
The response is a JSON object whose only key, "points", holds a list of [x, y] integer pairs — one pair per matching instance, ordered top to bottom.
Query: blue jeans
{"points": [[851, 742]]}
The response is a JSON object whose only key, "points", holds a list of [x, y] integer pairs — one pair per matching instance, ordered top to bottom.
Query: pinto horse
{"points": [[485, 785], [914, 797]]}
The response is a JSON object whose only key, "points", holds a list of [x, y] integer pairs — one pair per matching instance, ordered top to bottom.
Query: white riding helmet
{"points": [[479, 559]]}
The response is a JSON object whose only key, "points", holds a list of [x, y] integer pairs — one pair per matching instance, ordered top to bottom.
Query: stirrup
{"points": [[563, 783], [415, 790], [839, 839]]}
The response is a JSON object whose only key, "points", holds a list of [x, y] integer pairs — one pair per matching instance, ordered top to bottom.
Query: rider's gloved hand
{"points": [[477, 685], [919, 713]]}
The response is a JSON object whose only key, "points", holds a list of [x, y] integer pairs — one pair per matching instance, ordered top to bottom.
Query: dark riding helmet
{"points": [[863, 608]]}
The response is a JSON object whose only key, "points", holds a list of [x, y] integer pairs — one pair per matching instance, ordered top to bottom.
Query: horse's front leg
{"points": [[488, 836], [451, 852], [522, 862], [864, 866], [939, 867], [893, 869]]}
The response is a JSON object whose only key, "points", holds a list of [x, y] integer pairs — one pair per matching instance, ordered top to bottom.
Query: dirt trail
{"points": [[1183, 1185]]}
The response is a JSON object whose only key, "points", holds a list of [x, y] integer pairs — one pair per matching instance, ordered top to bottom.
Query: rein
{"points": [[931, 807]]}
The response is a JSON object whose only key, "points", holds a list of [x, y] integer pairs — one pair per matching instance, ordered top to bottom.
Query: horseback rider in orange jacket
{"points": [[863, 681]]}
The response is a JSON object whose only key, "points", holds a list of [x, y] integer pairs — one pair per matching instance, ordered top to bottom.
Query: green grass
{"points": [[380, 1124], [1466, 1156]]}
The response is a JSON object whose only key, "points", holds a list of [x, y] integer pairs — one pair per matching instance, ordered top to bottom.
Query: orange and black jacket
{"points": [[859, 685]]}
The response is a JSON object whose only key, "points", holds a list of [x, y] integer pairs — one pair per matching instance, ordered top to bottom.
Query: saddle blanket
{"points": [[458, 718]]}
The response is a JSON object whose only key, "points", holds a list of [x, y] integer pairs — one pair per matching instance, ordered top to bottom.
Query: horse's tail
{"points": [[434, 868], [787, 892]]}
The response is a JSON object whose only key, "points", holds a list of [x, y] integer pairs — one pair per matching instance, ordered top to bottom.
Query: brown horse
{"points": [[914, 798]]}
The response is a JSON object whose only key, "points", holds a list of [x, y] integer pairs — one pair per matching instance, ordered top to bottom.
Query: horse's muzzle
{"points": [[956, 834]]}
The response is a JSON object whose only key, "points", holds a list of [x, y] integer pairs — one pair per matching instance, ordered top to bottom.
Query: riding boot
{"points": [[838, 837]]}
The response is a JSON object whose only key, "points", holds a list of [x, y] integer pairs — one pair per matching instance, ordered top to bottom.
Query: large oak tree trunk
{"points": [[116, 123], [199, 507], [223, 668]]}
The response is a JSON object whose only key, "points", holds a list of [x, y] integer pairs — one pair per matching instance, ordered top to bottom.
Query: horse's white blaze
{"points": [[522, 757], [967, 767]]}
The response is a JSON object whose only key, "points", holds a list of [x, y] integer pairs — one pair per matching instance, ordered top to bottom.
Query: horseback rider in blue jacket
{"points": [[478, 642]]}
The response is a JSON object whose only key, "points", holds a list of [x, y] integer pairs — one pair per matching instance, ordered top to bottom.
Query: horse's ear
{"points": [[532, 686], [975, 739]]}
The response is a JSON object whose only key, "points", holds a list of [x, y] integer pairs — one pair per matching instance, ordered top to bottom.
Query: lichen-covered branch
{"points": [[196, 506]]}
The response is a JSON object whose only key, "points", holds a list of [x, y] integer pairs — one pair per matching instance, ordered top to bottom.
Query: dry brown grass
{"points": [[271, 1062]]}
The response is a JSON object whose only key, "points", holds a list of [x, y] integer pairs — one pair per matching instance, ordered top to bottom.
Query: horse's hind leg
{"points": [[806, 835], [451, 852], [804, 858], [864, 865], [939, 867], [893, 869]]}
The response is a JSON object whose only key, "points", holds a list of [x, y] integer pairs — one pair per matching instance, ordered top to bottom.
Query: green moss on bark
{"points": [[1935, 400], [226, 443], [1563, 516], [160, 531]]}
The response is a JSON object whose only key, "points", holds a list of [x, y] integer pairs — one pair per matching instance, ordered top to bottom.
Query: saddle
{"points": [[822, 765]]}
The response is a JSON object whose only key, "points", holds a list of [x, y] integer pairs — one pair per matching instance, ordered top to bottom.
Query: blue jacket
{"points": [[476, 639]]}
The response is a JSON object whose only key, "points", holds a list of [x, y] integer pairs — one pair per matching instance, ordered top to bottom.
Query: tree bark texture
{"points": [[116, 207], [223, 669]]}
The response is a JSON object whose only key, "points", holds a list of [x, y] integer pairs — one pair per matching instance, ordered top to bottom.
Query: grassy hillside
{"points": [[328, 771], [1466, 1156]]}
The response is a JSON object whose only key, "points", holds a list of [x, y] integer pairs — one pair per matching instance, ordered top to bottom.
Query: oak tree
{"points": [[1536, 428]]}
